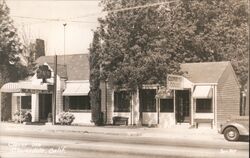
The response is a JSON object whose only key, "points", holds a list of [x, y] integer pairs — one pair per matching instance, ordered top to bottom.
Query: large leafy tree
{"points": [[212, 30], [142, 45], [10, 47]]}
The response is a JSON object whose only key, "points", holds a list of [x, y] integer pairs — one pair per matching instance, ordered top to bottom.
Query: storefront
{"points": [[72, 94], [206, 94]]}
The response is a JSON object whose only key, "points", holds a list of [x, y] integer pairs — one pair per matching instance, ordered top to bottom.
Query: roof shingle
{"points": [[77, 65], [206, 72]]}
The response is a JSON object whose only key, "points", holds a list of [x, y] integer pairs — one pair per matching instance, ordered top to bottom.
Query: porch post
{"points": [[0, 106], [192, 106], [35, 107], [175, 107]]}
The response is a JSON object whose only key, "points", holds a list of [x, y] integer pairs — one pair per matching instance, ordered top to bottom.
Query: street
{"points": [[84, 144]]}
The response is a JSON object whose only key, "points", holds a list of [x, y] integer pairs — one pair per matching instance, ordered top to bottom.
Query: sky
{"points": [[39, 19]]}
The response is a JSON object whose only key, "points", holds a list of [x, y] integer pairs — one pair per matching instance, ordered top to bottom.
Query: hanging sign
{"points": [[175, 82], [164, 93]]}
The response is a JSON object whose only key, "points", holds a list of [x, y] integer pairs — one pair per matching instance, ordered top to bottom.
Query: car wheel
{"points": [[231, 134]]}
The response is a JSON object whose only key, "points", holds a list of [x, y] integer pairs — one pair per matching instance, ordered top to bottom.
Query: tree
{"points": [[212, 30], [142, 45], [10, 47], [130, 54], [94, 60]]}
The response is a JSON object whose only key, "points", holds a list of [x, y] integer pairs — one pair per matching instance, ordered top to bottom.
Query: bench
{"points": [[118, 120], [203, 120]]}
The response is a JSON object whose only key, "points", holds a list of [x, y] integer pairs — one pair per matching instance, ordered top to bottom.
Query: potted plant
{"points": [[49, 119]]}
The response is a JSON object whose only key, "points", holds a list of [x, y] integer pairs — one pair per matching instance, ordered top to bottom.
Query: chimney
{"points": [[40, 48]]}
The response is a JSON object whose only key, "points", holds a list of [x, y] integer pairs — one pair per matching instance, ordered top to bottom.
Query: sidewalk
{"points": [[174, 132]]}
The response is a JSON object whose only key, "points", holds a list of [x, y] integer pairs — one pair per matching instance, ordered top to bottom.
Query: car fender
{"points": [[242, 129]]}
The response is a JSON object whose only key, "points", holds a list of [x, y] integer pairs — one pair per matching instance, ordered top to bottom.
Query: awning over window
{"points": [[17, 87], [76, 89], [202, 92]]}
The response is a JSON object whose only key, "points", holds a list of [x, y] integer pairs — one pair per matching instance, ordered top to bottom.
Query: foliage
{"points": [[212, 30], [143, 45], [10, 48], [94, 58], [43, 72], [21, 116], [66, 118]]}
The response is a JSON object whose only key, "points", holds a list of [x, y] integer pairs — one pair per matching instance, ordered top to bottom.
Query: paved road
{"points": [[72, 144]]}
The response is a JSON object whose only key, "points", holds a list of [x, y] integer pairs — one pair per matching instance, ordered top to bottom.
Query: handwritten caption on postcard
{"points": [[35, 148]]}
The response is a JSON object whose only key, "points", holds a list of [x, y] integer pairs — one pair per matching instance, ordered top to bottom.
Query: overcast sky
{"points": [[33, 18]]}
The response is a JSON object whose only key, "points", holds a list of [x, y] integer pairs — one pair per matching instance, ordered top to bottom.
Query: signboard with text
{"points": [[175, 82]]}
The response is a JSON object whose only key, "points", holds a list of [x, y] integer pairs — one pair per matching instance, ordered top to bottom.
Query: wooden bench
{"points": [[118, 120], [203, 120]]}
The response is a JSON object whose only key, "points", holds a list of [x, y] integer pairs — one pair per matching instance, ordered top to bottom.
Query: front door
{"points": [[45, 106], [182, 111]]}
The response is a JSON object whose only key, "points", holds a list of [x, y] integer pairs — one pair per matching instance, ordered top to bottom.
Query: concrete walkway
{"points": [[174, 132]]}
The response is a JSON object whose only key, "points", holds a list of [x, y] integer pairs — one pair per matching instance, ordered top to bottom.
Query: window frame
{"points": [[23, 100], [148, 102], [200, 102], [68, 104], [120, 104], [167, 110]]}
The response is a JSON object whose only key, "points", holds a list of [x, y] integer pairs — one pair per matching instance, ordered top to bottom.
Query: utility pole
{"points": [[64, 26], [54, 92], [247, 97]]}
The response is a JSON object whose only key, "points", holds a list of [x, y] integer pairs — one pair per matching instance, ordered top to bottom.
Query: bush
{"points": [[21, 116], [66, 118]]}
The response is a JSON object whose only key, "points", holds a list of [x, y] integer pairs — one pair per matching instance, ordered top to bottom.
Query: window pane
{"points": [[147, 100], [122, 101], [26, 102], [79, 103], [167, 105], [204, 105]]}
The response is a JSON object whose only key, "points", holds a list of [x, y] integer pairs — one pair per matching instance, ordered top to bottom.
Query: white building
{"points": [[72, 90]]}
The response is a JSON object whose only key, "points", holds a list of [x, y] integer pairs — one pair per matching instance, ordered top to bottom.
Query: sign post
{"points": [[54, 92]]}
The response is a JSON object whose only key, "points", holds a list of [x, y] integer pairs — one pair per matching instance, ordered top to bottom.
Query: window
{"points": [[147, 100], [122, 101], [26, 102], [77, 103], [167, 105], [204, 105]]}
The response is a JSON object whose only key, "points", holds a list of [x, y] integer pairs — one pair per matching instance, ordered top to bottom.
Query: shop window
{"points": [[147, 100], [122, 101], [26, 102], [77, 103], [167, 105], [204, 106]]}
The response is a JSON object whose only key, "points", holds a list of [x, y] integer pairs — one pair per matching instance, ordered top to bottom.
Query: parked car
{"points": [[235, 127]]}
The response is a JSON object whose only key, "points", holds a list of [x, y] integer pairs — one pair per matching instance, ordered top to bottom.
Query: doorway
{"points": [[182, 99], [45, 106]]}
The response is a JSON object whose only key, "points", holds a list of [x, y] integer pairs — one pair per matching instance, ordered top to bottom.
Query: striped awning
{"points": [[17, 87], [76, 89], [202, 92]]}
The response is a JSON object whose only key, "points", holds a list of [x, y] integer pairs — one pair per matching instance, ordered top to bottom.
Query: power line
{"points": [[140, 7], [92, 14], [52, 20]]}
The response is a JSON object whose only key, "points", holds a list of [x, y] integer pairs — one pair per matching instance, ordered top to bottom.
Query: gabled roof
{"points": [[76, 65], [206, 72]]}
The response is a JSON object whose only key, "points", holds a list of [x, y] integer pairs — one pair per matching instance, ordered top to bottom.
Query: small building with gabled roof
{"points": [[206, 93], [72, 95]]}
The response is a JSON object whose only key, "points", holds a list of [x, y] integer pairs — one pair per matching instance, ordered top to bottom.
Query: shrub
{"points": [[21, 116], [66, 118]]}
